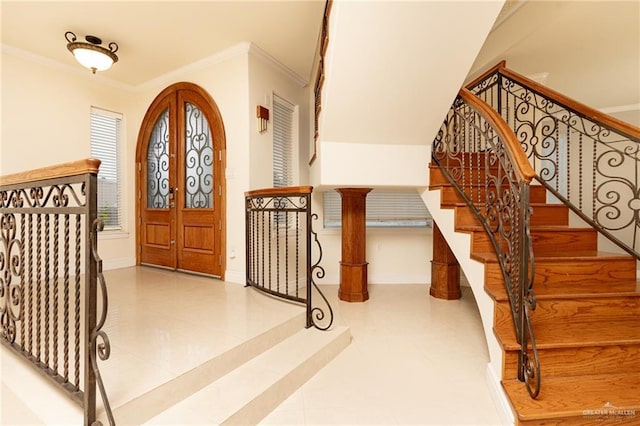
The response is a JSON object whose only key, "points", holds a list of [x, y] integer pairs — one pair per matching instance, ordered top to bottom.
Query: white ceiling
{"points": [[156, 37], [590, 49]]}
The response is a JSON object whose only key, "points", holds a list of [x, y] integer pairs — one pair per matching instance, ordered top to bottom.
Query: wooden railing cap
{"points": [[503, 130], [73, 168], [274, 192]]}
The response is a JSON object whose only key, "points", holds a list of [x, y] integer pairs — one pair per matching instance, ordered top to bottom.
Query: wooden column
{"points": [[353, 266], [445, 270]]}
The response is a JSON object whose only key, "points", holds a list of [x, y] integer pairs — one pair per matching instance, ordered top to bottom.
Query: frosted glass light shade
{"points": [[92, 59]]}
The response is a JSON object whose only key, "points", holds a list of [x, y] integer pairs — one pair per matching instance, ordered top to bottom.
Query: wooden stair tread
{"points": [[553, 228], [565, 256], [584, 289], [583, 333], [574, 396]]}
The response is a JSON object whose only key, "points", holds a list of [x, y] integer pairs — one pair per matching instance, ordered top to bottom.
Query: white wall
{"points": [[267, 77], [46, 121]]}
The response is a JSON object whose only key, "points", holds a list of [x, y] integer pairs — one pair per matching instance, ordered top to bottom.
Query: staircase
{"points": [[580, 319], [586, 323]]}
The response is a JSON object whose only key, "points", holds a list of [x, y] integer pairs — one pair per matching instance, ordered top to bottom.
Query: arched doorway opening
{"points": [[180, 183]]}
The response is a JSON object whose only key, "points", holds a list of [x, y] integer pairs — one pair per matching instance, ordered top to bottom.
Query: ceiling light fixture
{"points": [[92, 54]]}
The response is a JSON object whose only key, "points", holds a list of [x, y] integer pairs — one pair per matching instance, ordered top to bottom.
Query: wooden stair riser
{"points": [[475, 177], [450, 195], [543, 215], [546, 242], [559, 271], [550, 312], [577, 361]]}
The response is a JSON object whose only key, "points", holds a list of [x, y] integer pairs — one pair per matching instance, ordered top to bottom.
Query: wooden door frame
{"points": [[218, 132]]}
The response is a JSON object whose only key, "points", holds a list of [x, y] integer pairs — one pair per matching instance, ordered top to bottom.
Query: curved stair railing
{"points": [[482, 158], [587, 159], [279, 243]]}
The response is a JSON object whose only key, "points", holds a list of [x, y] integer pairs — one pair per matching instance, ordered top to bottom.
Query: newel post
{"points": [[353, 266], [445, 270]]}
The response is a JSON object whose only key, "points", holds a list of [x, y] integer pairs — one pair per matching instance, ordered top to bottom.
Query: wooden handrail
{"points": [[625, 128], [516, 152], [73, 168], [273, 192]]}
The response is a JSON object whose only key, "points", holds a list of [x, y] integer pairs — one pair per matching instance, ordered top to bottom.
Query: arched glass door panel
{"points": [[198, 159], [158, 164]]}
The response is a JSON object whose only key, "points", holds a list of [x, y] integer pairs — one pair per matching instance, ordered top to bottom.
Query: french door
{"points": [[180, 160]]}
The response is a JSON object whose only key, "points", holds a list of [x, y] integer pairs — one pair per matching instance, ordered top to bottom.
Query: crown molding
{"points": [[243, 48], [216, 58], [267, 58], [72, 69]]}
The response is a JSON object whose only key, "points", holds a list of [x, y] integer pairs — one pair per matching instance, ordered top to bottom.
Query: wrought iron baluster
{"points": [[77, 248], [56, 249], [66, 259], [31, 281], [23, 283], [38, 283], [47, 285]]}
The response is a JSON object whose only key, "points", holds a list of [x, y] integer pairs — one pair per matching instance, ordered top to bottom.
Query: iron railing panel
{"points": [[279, 249], [49, 277]]}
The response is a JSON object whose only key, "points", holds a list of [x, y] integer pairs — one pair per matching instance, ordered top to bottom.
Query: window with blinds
{"points": [[283, 138], [105, 145], [385, 209]]}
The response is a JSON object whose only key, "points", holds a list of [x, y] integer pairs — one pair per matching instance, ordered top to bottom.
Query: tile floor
{"points": [[413, 359]]}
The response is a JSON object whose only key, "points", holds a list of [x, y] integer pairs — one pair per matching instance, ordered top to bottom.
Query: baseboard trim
{"points": [[123, 262], [236, 277], [499, 397]]}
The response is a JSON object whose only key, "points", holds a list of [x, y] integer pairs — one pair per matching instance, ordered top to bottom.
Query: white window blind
{"points": [[283, 137], [105, 145], [385, 209]]}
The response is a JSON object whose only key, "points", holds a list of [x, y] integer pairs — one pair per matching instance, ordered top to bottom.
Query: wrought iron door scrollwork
{"points": [[198, 159]]}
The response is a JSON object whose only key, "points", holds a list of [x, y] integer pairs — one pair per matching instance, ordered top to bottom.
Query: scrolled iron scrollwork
{"points": [[472, 156], [198, 159], [158, 164], [63, 195], [280, 203], [280, 243], [11, 264], [317, 314], [98, 336]]}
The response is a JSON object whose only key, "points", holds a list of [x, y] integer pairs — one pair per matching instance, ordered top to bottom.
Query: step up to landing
{"points": [[286, 353], [248, 393]]}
